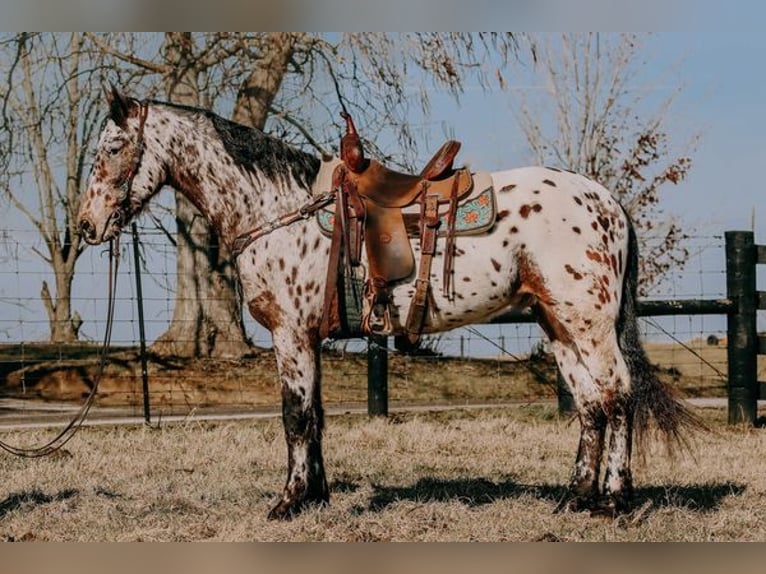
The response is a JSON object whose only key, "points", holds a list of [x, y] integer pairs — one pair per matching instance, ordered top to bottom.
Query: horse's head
{"points": [[121, 179]]}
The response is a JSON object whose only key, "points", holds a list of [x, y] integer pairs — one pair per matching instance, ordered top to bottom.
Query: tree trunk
{"points": [[262, 85], [55, 224], [207, 317], [64, 326]]}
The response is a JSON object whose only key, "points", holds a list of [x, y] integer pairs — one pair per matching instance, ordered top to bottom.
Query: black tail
{"points": [[652, 399]]}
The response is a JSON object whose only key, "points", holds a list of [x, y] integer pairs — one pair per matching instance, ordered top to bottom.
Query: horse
{"points": [[562, 246]]}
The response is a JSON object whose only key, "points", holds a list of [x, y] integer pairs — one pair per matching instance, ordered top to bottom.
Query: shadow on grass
{"points": [[480, 491], [32, 498]]}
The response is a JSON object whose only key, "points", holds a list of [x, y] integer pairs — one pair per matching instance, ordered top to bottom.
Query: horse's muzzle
{"points": [[87, 230], [93, 235]]}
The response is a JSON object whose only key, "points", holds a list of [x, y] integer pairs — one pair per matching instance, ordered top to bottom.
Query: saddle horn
{"points": [[351, 150]]}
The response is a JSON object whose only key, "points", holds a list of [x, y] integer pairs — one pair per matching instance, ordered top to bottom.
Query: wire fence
{"points": [[689, 347]]}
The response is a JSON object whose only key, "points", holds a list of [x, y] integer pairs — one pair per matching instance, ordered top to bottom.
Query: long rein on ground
{"points": [[66, 434]]}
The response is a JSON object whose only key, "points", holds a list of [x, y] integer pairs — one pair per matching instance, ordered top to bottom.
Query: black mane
{"points": [[251, 148]]}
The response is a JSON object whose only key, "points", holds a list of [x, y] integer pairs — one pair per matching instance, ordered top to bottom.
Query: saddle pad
{"points": [[474, 217]]}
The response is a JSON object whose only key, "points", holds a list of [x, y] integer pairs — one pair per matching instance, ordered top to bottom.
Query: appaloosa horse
{"points": [[562, 246]]}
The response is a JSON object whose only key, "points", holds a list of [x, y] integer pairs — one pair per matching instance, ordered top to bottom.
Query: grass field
{"points": [[460, 475]]}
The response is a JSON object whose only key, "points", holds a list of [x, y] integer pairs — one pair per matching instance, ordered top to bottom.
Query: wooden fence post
{"points": [[742, 336], [377, 376]]}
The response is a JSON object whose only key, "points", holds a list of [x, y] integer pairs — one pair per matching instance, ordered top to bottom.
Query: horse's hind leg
{"points": [[297, 356], [596, 372], [609, 372], [618, 479], [583, 486]]}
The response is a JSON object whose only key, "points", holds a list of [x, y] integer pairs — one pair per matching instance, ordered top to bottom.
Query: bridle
{"points": [[126, 186]]}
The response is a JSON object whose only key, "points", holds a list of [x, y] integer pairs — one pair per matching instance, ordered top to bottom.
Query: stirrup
{"points": [[377, 320]]}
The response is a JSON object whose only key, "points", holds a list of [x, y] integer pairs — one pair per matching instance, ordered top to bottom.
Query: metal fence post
{"points": [[141, 329], [742, 336], [377, 376]]}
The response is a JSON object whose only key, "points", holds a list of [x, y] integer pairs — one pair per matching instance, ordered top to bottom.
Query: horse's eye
{"points": [[114, 149]]}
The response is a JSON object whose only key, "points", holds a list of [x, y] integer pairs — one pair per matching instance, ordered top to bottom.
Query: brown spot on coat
{"points": [[509, 187], [593, 256], [571, 270], [530, 289], [265, 310]]}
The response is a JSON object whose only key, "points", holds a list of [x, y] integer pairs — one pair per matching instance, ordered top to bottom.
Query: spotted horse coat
{"points": [[562, 246]]}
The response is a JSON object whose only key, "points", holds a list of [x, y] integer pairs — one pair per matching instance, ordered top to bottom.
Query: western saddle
{"points": [[368, 210]]}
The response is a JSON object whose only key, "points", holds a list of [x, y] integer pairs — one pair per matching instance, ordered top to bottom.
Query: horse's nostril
{"points": [[86, 228]]}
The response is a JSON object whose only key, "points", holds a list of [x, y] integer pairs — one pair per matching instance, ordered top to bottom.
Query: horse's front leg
{"points": [[298, 362]]}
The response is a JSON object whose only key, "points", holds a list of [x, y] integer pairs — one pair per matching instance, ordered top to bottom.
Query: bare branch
{"points": [[128, 58], [285, 116], [611, 128]]}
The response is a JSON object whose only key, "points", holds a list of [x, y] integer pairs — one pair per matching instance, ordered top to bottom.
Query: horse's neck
{"points": [[235, 200]]}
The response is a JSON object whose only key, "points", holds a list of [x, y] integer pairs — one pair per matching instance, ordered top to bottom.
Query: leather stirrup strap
{"points": [[352, 215], [449, 249], [331, 313], [417, 314]]}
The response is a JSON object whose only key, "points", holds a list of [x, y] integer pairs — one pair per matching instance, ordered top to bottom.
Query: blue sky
{"points": [[725, 96]]}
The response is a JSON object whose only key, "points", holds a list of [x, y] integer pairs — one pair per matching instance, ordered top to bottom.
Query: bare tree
{"points": [[50, 111], [599, 116]]}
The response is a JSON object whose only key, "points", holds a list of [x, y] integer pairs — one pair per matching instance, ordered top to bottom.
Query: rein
{"points": [[304, 212], [76, 423]]}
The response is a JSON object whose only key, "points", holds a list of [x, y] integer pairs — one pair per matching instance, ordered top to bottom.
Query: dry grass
{"points": [[458, 475]]}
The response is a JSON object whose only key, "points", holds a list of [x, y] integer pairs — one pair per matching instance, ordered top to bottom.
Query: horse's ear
{"points": [[119, 105]]}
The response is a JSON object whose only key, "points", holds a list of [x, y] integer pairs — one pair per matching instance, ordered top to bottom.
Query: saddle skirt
{"points": [[476, 213]]}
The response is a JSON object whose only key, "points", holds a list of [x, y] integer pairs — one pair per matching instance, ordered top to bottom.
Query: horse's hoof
{"points": [[575, 503], [610, 507], [287, 510], [605, 511]]}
